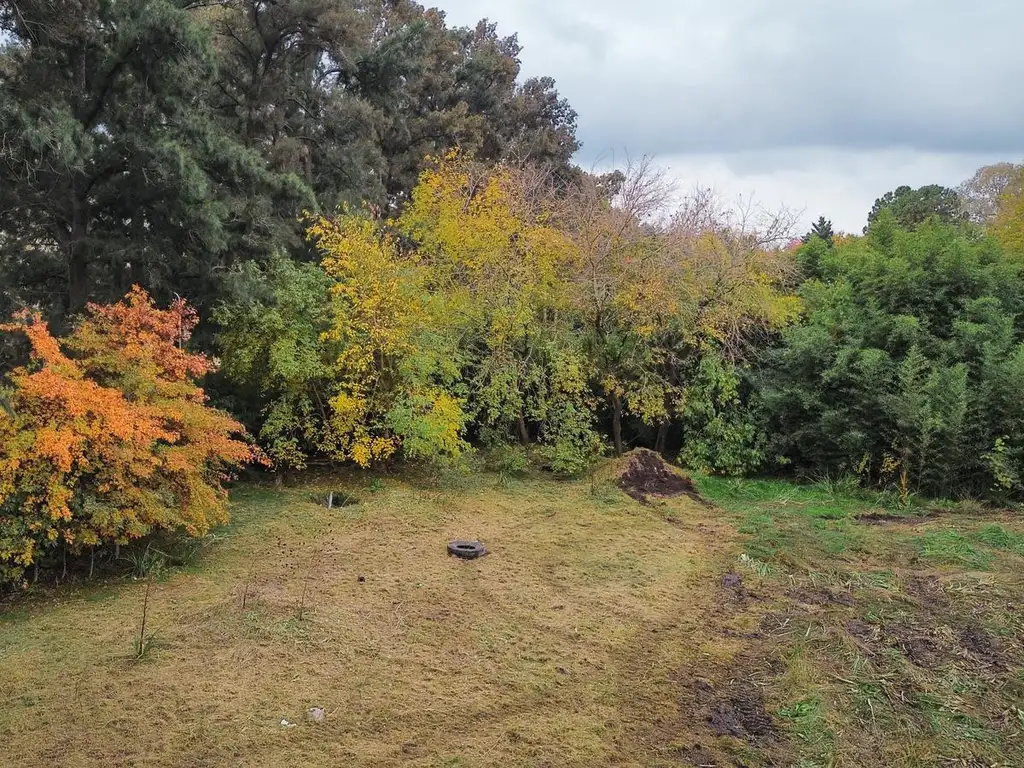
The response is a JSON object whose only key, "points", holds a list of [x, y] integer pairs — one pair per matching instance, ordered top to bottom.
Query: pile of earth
{"points": [[647, 475]]}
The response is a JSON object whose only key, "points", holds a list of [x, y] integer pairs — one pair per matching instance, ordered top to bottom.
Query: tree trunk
{"points": [[78, 260], [135, 274], [78, 279], [617, 424], [524, 433], [662, 438]]}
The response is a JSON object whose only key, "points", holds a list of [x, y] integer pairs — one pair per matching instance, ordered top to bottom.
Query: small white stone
{"points": [[316, 714]]}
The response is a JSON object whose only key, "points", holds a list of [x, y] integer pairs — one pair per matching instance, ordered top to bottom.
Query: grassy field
{"points": [[781, 626]]}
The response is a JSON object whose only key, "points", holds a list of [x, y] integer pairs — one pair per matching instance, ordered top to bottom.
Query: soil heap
{"points": [[647, 475]]}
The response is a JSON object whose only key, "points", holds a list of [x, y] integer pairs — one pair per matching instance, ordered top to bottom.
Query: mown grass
{"points": [[783, 626], [902, 633], [526, 657]]}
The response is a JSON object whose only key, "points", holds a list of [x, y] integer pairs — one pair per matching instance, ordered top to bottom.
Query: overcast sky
{"points": [[822, 105]]}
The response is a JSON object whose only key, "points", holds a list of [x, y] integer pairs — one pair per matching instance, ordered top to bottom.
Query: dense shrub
{"points": [[908, 367], [106, 436]]}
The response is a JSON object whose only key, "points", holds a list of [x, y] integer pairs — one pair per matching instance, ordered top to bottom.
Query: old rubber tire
{"points": [[466, 550]]}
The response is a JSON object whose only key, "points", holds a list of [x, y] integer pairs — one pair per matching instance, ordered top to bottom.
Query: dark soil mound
{"points": [[648, 475]]}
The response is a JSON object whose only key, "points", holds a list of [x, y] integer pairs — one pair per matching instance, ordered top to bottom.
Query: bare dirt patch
{"points": [[647, 475], [921, 516], [876, 517], [927, 590], [820, 597], [861, 630], [981, 645], [922, 649], [742, 714], [697, 756]]}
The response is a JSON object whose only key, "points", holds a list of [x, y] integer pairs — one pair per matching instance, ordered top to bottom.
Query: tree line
{"points": [[162, 142], [376, 232]]}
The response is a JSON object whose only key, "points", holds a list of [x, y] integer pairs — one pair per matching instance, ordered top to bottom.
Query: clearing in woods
{"points": [[775, 625]]}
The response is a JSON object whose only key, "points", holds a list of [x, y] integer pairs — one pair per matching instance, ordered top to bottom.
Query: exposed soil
{"points": [[647, 475], [880, 517], [732, 580], [733, 583], [929, 591], [820, 597], [775, 624], [861, 630], [979, 643], [922, 650], [742, 714], [698, 756]]}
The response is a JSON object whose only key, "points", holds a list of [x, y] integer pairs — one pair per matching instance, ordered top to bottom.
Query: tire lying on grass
{"points": [[466, 550]]}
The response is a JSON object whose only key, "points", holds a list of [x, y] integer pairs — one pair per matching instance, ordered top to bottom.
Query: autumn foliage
{"points": [[500, 305], [108, 437]]}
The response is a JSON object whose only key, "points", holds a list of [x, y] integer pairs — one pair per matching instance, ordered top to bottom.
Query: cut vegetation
{"points": [[785, 626]]}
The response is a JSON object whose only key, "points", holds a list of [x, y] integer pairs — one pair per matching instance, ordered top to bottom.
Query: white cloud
{"points": [[840, 184]]}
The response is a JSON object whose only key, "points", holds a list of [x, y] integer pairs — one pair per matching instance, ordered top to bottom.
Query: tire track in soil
{"points": [[690, 687]]}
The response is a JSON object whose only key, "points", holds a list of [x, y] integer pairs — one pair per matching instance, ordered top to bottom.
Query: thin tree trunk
{"points": [[78, 260], [136, 273], [78, 279], [617, 423], [524, 433], [662, 438]]}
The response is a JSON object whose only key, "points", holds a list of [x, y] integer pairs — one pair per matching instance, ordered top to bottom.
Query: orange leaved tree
{"points": [[106, 436]]}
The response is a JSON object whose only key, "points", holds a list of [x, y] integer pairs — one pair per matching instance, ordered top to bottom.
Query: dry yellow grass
{"points": [[599, 632], [558, 649]]}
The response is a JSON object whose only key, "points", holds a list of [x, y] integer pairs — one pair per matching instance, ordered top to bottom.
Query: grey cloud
{"points": [[672, 77], [821, 105]]}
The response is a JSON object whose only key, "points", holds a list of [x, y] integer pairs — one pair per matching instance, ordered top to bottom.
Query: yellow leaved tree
{"points": [[491, 241], [668, 294], [396, 360]]}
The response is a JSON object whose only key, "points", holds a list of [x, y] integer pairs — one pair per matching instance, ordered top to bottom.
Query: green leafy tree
{"points": [[286, 86], [436, 88], [163, 143], [912, 207], [277, 364], [901, 370]]}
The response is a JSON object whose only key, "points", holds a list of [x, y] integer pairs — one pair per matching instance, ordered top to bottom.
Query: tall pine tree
{"points": [[114, 172]]}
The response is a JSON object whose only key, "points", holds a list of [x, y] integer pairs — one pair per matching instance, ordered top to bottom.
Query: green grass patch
{"points": [[997, 537], [952, 548], [808, 724]]}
